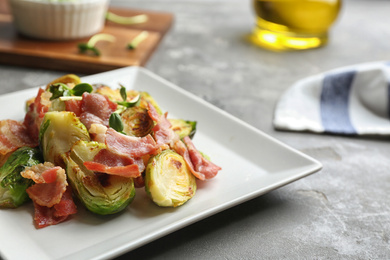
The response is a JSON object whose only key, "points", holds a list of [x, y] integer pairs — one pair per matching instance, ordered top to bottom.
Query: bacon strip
{"points": [[74, 106], [95, 109], [36, 112], [162, 132], [13, 135], [134, 147], [106, 161], [201, 164], [200, 167], [130, 171], [50, 183], [51, 195], [45, 216]]}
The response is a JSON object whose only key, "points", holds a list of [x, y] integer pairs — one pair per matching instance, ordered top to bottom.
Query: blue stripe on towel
{"points": [[388, 93], [388, 100], [335, 103]]}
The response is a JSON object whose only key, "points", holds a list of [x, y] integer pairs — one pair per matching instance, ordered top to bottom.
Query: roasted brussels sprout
{"points": [[69, 79], [112, 94], [146, 98], [137, 121], [183, 128], [58, 132], [168, 181], [12, 185], [101, 193]]}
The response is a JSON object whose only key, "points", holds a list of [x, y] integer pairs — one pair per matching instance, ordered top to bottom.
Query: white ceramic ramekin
{"points": [[59, 20]]}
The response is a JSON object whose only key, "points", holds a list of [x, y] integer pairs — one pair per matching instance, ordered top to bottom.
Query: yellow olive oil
{"points": [[293, 24]]}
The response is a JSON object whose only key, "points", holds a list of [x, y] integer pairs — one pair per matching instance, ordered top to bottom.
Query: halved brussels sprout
{"points": [[69, 79], [112, 94], [147, 98], [137, 121], [183, 128], [58, 132], [168, 181], [12, 185], [101, 193]]}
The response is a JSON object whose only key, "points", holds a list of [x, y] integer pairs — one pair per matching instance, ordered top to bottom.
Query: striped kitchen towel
{"points": [[351, 101]]}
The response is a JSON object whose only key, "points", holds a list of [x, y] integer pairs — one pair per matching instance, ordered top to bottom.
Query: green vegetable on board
{"points": [[126, 20], [137, 40], [90, 45]]}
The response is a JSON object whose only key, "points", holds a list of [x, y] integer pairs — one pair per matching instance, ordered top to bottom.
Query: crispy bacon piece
{"points": [[73, 106], [92, 109], [96, 109], [36, 112], [162, 132], [14, 135], [134, 147], [124, 154], [110, 163], [201, 164], [200, 167], [130, 171], [139, 182], [50, 183], [50, 194], [45, 216]]}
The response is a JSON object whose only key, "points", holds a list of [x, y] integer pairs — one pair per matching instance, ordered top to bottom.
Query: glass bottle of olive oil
{"points": [[293, 24]]}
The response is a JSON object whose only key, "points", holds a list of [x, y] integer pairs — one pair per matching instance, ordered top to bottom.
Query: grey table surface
{"points": [[341, 212]]}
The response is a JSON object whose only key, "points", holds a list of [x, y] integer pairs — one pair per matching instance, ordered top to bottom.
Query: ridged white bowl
{"points": [[64, 20]]}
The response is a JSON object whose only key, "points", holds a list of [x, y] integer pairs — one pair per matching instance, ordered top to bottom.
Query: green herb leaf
{"points": [[79, 89], [59, 90], [123, 93], [134, 102], [116, 123]]}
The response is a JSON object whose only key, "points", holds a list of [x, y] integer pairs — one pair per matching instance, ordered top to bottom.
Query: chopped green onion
{"points": [[141, 18], [137, 40], [90, 45], [70, 98]]}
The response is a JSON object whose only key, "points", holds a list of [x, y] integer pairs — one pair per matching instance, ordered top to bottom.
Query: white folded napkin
{"points": [[353, 101]]}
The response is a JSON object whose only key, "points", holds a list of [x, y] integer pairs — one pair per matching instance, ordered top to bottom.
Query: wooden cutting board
{"points": [[16, 49]]}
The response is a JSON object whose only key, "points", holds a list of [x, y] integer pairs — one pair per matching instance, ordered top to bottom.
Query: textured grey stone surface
{"points": [[341, 212]]}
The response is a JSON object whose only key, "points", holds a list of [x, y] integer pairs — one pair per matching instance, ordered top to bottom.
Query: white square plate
{"points": [[252, 164]]}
